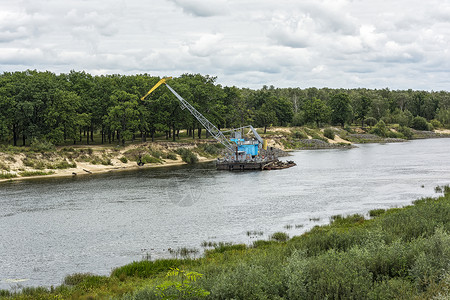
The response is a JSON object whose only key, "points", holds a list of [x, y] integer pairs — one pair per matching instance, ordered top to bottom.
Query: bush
{"points": [[370, 121], [420, 123], [436, 123], [380, 129], [406, 131], [329, 133], [300, 134], [41, 146], [210, 149], [187, 155], [171, 156], [123, 159], [148, 159], [63, 165], [35, 173], [7, 175], [376, 212], [279, 237], [146, 269], [332, 275], [76, 278], [245, 281]]}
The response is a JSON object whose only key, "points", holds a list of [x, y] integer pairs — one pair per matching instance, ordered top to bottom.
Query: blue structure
{"points": [[249, 147]]}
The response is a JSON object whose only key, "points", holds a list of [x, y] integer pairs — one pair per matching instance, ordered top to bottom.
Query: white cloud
{"points": [[202, 8], [344, 43], [206, 45]]}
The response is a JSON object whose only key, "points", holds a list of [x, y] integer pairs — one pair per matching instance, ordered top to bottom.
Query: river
{"points": [[50, 228]]}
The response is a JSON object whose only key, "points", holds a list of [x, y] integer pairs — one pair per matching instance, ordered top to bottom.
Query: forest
{"points": [[70, 108]]}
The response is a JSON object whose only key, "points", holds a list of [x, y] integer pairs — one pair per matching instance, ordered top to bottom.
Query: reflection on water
{"points": [[53, 227]]}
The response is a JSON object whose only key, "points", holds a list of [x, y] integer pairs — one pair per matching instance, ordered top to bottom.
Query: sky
{"points": [[402, 44]]}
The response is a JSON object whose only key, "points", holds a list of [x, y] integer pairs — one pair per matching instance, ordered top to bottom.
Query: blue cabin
{"points": [[249, 147]]}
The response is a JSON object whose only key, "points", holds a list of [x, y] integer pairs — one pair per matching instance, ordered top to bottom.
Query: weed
{"points": [[329, 133], [300, 134], [187, 155], [171, 156], [123, 159], [3, 166], [35, 173], [7, 175], [376, 212], [255, 233], [279, 237], [76, 278]]}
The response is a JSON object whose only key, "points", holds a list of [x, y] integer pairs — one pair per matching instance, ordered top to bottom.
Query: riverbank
{"points": [[19, 163], [398, 252]]}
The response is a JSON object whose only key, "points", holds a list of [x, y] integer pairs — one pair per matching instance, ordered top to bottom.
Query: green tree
{"points": [[361, 108], [315, 110], [341, 110], [124, 116], [265, 116]]}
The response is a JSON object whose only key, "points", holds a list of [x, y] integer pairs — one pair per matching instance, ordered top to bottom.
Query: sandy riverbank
{"points": [[17, 163]]}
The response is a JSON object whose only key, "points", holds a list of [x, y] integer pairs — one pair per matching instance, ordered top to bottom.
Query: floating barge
{"points": [[274, 164]]}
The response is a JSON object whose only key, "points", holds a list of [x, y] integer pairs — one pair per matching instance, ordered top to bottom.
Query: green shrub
{"points": [[370, 121], [420, 123], [436, 123], [380, 129], [406, 131], [329, 133], [300, 134], [395, 135], [41, 146], [210, 149], [156, 153], [187, 155], [171, 156], [123, 159], [148, 159], [106, 161], [28, 162], [63, 165], [3, 166], [35, 173], [7, 175], [376, 212], [279, 237], [222, 247], [433, 260], [146, 268], [332, 275], [76, 278], [245, 281]]}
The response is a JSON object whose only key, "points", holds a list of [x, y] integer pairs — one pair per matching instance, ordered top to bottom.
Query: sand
{"points": [[16, 165]]}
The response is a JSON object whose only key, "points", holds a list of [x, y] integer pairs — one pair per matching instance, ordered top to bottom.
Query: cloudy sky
{"points": [[398, 44]]}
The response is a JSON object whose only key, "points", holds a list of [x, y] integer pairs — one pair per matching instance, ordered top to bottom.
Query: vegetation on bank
{"points": [[78, 108], [398, 253]]}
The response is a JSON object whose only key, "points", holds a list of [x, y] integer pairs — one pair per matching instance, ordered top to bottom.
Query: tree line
{"points": [[70, 108]]}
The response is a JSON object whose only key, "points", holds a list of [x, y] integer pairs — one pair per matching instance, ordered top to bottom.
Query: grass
{"points": [[35, 173], [7, 175], [403, 252]]}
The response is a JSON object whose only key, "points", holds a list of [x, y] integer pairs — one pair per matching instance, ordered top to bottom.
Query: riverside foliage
{"points": [[70, 108], [399, 253]]}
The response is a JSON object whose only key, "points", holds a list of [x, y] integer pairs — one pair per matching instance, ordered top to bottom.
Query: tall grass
{"points": [[401, 253]]}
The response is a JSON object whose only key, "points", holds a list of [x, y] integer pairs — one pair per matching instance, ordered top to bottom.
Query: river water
{"points": [[50, 228]]}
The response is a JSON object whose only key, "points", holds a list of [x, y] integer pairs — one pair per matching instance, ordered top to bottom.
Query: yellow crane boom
{"points": [[156, 85]]}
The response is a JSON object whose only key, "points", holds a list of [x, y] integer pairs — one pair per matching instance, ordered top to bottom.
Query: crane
{"points": [[210, 127], [244, 153]]}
